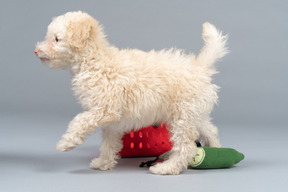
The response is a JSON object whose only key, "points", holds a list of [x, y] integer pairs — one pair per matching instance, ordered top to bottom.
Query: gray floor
{"points": [[29, 162]]}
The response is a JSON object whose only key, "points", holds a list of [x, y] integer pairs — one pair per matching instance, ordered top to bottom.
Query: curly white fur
{"points": [[122, 90]]}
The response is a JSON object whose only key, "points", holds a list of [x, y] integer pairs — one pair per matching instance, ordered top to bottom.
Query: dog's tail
{"points": [[214, 48]]}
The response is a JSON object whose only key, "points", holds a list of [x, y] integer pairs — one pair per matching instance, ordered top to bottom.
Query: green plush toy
{"points": [[208, 158], [214, 158]]}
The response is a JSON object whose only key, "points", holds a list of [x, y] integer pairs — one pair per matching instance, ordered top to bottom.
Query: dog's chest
{"points": [[85, 88]]}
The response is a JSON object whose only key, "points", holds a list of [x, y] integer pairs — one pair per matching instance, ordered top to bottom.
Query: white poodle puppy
{"points": [[124, 90]]}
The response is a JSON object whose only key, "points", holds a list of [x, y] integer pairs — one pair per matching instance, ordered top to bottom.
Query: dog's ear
{"points": [[81, 31]]}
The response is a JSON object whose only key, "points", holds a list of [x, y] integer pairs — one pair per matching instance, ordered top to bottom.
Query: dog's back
{"points": [[156, 81]]}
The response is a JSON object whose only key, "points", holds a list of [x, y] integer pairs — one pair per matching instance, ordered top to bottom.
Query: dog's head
{"points": [[69, 36]]}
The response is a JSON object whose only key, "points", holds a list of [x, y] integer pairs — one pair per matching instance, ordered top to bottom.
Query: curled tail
{"points": [[214, 48]]}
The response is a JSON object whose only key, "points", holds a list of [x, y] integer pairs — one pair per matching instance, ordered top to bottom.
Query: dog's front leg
{"points": [[83, 124], [110, 147]]}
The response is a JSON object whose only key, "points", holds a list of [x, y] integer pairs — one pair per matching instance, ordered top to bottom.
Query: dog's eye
{"points": [[56, 39]]}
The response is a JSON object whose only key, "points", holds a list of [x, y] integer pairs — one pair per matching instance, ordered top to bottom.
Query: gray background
{"points": [[36, 103]]}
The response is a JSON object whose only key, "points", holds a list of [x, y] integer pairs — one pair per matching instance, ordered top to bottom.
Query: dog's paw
{"points": [[68, 143], [64, 145], [103, 164], [164, 169]]}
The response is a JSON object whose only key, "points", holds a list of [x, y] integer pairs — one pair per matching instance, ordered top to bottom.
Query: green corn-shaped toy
{"points": [[213, 158]]}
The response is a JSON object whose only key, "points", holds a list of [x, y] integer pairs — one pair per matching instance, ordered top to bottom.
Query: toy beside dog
{"points": [[125, 90], [207, 158], [214, 158]]}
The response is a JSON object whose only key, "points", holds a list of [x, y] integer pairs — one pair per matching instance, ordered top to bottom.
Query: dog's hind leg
{"points": [[209, 133], [183, 135]]}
